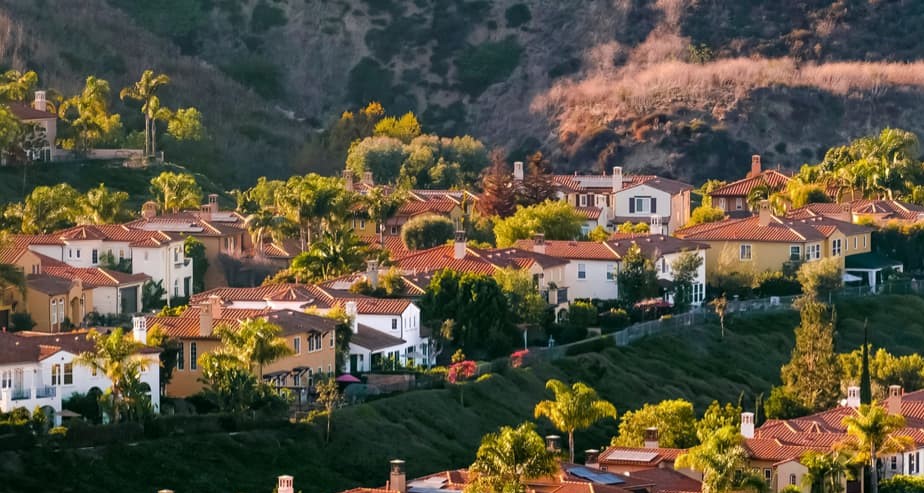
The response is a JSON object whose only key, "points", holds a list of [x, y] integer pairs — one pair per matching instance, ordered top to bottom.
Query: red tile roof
{"points": [[25, 112], [741, 188], [434, 206], [590, 213], [749, 229], [652, 246], [578, 250], [442, 257], [93, 277], [21, 347], [639, 456], [668, 480]]}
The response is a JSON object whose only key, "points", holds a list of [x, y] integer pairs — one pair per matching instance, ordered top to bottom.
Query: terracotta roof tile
{"points": [[741, 188], [590, 213], [749, 229], [579, 250], [94, 276]]}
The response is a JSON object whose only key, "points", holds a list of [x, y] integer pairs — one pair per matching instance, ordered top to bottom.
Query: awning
{"points": [[870, 261], [851, 278], [347, 378]]}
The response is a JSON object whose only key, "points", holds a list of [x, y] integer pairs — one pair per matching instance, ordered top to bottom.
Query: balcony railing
{"points": [[45, 391], [42, 392], [20, 394]]}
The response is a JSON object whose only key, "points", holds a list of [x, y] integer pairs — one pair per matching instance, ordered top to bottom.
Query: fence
{"points": [[699, 315]]}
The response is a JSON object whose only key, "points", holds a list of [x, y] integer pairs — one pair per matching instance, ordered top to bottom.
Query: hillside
{"points": [[689, 88], [431, 431]]}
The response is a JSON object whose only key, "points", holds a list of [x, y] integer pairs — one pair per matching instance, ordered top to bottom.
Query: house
{"points": [[41, 146], [733, 197], [661, 202], [878, 212], [222, 233], [765, 242], [663, 251], [154, 253], [311, 338], [408, 341], [38, 370]]}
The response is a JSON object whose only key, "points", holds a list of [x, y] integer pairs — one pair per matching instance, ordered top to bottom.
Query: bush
{"points": [[517, 15], [488, 63], [427, 231], [776, 284], [582, 314], [613, 320], [22, 321], [594, 345], [902, 484]]}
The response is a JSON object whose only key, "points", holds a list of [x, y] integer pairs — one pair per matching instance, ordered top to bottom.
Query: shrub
{"points": [[517, 15], [488, 63], [427, 231], [776, 284], [582, 314], [613, 320], [22, 321], [902, 484]]}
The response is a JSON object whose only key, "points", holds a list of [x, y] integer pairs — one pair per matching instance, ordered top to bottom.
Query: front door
{"points": [[129, 299], [353, 362]]}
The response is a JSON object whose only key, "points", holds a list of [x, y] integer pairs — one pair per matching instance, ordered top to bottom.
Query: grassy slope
{"points": [[85, 175], [432, 432]]}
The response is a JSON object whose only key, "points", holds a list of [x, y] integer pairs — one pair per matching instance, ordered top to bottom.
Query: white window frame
{"points": [[582, 200], [739, 204], [642, 205], [393, 230], [856, 241], [745, 247], [836, 247], [795, 251], [813, 252], [94, 256], [582, 271], [611, 272], [54, 311], [394, 324], [297, 345], [193, 355], [181, 357], [67, 373], [56, 374], [792, 479]]}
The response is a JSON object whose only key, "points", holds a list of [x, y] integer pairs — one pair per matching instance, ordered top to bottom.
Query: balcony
{"points": [[554, 295], [42, 392], [45, 392], [20, 394]]}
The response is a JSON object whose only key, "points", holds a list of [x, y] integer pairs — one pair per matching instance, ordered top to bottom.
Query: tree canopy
{"points": [[557, 220]]}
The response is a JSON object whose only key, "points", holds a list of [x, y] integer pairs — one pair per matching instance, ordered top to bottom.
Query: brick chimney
{"points": [[40, 103], [755, 166], [518, 170], [367, 178], [617, 178], [348, 180], [213, 203], [149, 210], [763, 214], [539, 243], [458, 247], [372, 272], [352, 311], [206, 321], [140, 330], [853, 397], [895, 399], [747, 425], [651, 437], [397, 480], [285, 484]]}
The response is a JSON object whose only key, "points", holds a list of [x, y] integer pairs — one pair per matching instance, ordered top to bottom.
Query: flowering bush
{"points": [[516, 359], [462, 370]]}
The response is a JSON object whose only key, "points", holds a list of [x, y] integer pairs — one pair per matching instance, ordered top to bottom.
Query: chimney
{"points": [[40, 103], [755, 166], [518, 170], [367, 178], [617, 178], [348, 180], [213, 203], [149, 210], [763, 214], [539, 243], [458, 251], [372, 272], [214, 302], [353, 312], [206, 321], [140, 330], [853, 397], [895, 399], [747, 425], [651, 437], [553, 443], [592, 458], [397, 480], [285, 484]]}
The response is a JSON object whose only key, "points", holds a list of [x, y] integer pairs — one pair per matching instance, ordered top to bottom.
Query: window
{"points": [[582, 200], [722, 203], [739, 203], [642, 204], [362, 224], [394, 230], [585, 230], [864, 241], [855, 242], [836, 247], [744, 252], [795, 252], [813, 252], [70, 253], [78, 253], [121, 254], [176, 254], [94, 256], [663, 265], [582, 271], [611, 272], [176, 287], [699, 292], [54, 312], [394, 324], [333, 339], [297, 345], [192, 356], [179, 357], [93, 371], [68, 373], [56, 374], [6, 380], [917, 462], [894, 463], [910, 463], [768, 475], [792, 479]]}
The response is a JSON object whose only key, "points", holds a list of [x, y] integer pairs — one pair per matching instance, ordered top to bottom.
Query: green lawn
{"points": [[432, 432]]}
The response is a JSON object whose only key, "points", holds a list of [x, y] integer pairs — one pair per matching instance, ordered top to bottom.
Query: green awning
{"points": [[870, 261]]}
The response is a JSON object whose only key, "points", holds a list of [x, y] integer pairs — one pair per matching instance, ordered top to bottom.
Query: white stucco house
{"points": [[38, 370]]}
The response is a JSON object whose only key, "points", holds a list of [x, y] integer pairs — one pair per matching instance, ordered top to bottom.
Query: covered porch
{"points": [[867, 269]]}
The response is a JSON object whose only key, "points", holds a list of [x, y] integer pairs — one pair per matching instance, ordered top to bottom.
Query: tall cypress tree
{"points": [[812, 375], [866, 386]]}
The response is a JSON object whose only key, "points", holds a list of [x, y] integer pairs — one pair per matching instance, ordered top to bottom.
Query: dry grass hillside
{"points": [[684, 87]]}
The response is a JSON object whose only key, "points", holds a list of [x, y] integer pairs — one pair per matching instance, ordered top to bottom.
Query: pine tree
{"points": [[537, 186], [498, 197], [812, 376], [866, 386]]}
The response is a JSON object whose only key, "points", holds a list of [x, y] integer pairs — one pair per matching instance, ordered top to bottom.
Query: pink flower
{"points": [[462, 370]]}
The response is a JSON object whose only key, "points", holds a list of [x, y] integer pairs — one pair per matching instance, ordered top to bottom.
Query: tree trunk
{"points": [[147, 134], [153, 137], [329, 412], [571, 446], [873, 472]]}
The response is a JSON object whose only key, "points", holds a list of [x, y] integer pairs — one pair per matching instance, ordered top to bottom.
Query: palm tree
{"points": [[16, 85], [144, 90], [158, 113], [381, 205], [262, 222], [334, 253], [720, 305], [255, 343], [112, 355], [575, 408], [872, 431], [508, 458], [718, 458], [825, 471]]}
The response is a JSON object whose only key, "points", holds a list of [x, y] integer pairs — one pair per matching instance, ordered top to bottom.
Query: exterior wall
{"points": [[663, 203], [731, 203], [680, 211], [362, 225], [54, 251], [725, 256], [162, 265], [665, 271], [214, 275], [595, 285], [105, 300], [38, 305], [321, 361], [39, 375], [185, 381], [784, 476]]}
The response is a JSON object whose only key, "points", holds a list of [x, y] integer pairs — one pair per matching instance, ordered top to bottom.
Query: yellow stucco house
{"points": [[765, 242]]}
